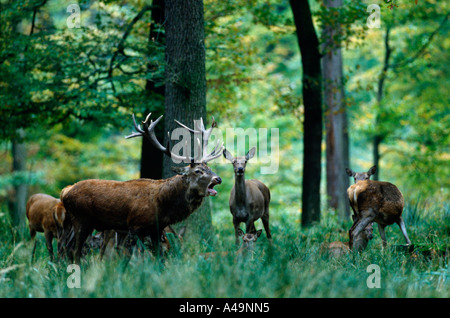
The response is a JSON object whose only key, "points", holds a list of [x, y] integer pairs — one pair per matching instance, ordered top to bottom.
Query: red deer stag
{"points": [[249, 199], [375, 201], [143, 206], [43, 212]]}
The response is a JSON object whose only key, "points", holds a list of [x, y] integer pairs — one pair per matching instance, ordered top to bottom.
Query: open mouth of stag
{"points": [[210, 190]]}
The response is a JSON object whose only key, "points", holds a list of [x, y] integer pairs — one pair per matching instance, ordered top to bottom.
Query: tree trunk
{"points": [[185, 94], [312, 99], [378, 137], [337, 152], [152, 158], [17, 202]]}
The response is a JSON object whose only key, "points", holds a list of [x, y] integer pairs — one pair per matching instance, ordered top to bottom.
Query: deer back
{"points": [[382, 197], [108, 204], [39, 211]]}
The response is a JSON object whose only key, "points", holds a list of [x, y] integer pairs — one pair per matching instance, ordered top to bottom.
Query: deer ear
{"points": [[250, 153], [227, 155], [181, 170], [372, 170], [349, 172], [240, 232], [258, 233]]}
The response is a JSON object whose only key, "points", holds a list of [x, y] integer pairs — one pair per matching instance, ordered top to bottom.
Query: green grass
{"points": [[292, 267]]}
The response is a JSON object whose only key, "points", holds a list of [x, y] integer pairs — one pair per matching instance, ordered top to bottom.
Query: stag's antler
{"points": [[148, 130], [206, 133]]}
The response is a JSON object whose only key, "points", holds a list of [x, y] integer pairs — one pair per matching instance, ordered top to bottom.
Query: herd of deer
{"points": [[145, 209]]}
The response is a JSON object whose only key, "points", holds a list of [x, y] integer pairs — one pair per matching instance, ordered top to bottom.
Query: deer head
{"points": [[239, 163], [199, 176], [360, 176], [249, 239]]}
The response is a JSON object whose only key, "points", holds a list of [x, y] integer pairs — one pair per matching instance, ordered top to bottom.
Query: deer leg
{"points": [[265, 221], [362, 223], [401, 223], [250, 227], [236, 228], [382, 234], [107, 236], [33, 237], [80, 237], [49, 240], [34, 250]]}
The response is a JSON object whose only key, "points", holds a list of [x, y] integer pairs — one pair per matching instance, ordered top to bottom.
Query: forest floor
{"points": [[293, 266]]}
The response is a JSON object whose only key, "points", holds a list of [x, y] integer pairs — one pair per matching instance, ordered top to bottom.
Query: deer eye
{"points": [[198, 171]]}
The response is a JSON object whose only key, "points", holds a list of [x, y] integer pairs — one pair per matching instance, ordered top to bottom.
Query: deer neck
{"points": [[239, 190], [181, 200]]}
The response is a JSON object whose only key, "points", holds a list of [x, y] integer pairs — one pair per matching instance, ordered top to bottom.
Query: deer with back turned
{"points": [[249, 199], [375, 201], [143, 207], [45, 214]]}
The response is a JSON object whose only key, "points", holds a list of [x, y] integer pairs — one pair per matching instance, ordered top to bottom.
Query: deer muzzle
{"points": [[215, 181]]}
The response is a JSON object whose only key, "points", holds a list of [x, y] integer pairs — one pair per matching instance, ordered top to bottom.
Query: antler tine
{"points": [[186, 127], [139, 132], [149, 132], [206, 133], [214, 154]]}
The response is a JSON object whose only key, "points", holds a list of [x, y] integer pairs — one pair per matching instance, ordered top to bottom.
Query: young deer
{"points": [[249, 199], [375, 201], [41, 210], [248, 245]]}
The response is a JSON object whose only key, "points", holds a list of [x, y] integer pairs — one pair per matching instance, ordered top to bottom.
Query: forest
{"points": [[295, 93]]}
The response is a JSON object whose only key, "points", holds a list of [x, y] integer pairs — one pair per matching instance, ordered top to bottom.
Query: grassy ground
{"points": [[292, 267]]}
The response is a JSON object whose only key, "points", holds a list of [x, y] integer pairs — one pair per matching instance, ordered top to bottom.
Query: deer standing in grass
{"points": [[249, 199], [375, 201], [143, 207], [45, 214]]}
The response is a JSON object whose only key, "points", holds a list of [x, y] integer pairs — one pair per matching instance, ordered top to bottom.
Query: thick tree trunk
{"points": [[185, 94], [312, 100], [337, 152], [152, 158]]}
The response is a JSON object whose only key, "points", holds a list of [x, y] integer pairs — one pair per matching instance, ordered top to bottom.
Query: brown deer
{"points": [[249, 199], [375, 201], [143, 206], [41, 211]]}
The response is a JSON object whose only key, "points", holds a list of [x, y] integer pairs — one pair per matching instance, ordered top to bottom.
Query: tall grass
{"points": [[293, 266]]}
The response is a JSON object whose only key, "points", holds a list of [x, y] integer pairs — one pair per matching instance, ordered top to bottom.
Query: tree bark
{"points": [[185, 91], [312, 99], [378, 137], [337, 152], [152, 158], [17, 202]]}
